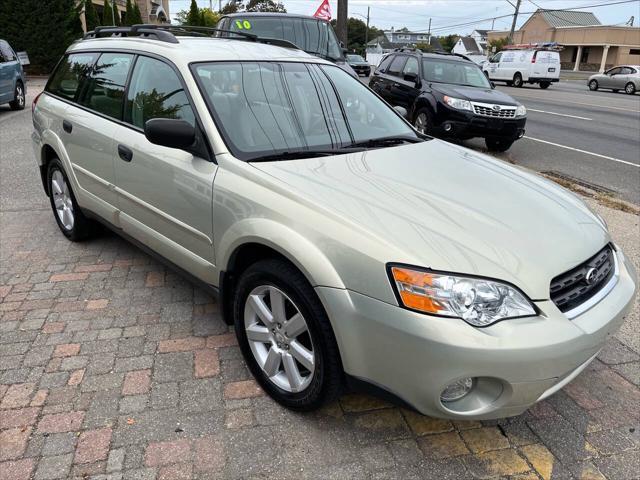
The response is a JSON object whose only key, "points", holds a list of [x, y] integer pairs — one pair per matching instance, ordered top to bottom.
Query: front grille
{"points": [[490, 111], [571, 289]]}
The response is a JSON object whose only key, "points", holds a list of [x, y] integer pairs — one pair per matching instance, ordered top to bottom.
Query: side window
{"points": [[6, 52], [496, 58], [384, 64], [396, 66], [411, 66], [626, 70], [615, 71], [71, 72], [104, 89], [155, 91]]}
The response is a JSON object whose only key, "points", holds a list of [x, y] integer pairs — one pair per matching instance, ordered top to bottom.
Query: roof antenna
{"points": [[630, 21]]}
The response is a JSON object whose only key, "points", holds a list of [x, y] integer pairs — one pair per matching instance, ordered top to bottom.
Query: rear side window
{"points": [[6, 52], [384, 64], [396, 66], [411, 66], [71, 72], [104, 89], [155, 91]]}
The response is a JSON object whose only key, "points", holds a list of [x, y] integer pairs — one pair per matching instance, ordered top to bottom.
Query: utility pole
{"points": [[113, 12], [343, 12], [515, 19], [493, 22], [366, 32], [429, 33]]}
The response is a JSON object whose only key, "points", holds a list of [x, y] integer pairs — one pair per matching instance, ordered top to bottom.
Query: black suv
{"points": [[447, 95]]}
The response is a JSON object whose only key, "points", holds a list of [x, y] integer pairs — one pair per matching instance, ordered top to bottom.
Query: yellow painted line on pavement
{"points": [[558, 114], [583, 151]]}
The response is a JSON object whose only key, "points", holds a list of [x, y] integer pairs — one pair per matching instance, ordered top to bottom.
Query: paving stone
{"points": [[188, 344], [67, 350], [615, 352], [143, 362], [207, 363], [172, 367], [630, 371], [106, 381], [136, 382], [244, 389], [17, 395], [164, 395], [200, 395], [134, 403], [361, 403], [242, 417], [18, 418], [61, 422], [423, 425], [482, 440], [13, 442], [610, 442], [59, 443], [93, 445], [442, 445], [568, 445], [166, 453], [115, 461], [496, 463], [620, 467], [50, 468], [17, 469]]}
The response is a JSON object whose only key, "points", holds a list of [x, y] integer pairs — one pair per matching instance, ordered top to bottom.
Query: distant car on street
{"points": [[311, 34], [526, 63], [359, 64], [623, 77], [12, 80], [446, 95]]}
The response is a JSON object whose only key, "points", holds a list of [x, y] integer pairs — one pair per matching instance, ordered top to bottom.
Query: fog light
{"points": [[448, 127], [521, 134], [457, 390]]}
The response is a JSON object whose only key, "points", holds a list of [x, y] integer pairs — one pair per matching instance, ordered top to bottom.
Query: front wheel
{"points": [[517, 80], [544, 85], [593, 85], [630, 88], [18, 102], [423, 121], [498, 144], [70, 219], [285, 336]]}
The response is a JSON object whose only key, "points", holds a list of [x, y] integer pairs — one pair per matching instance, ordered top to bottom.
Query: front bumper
{"points": [[361, 70], [463, 124], [518, 362]]}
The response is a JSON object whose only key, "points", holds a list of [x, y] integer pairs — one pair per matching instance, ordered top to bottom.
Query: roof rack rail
{"points": [[168, 33], [406, 49], [453, 54]]}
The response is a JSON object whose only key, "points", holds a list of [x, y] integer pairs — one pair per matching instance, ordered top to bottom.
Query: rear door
{"points": [[545, 64], [391, 76], [377, 81], [92, 85], [404, 92], [165, 194]]}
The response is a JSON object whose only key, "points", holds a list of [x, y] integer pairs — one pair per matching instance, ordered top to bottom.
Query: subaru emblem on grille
{"points": [[496, 108], [590, 276]]}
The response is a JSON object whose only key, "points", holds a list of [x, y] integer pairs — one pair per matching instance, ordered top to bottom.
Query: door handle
{"points": [[67, 126], [125, 153]]}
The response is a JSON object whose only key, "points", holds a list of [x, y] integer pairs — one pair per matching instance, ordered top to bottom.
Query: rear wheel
{"points": [[517, 80], [544, 85], [593, 85], [630, 88], [18, 97], [423, 121], [498, 144], [70, 219], [285, 336]]}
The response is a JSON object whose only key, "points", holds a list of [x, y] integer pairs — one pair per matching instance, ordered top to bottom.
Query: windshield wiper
{"points": [[385, 142], [300, 154]]}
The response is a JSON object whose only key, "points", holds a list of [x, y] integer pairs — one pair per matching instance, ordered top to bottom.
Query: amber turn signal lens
{"points": [[411, 287]]}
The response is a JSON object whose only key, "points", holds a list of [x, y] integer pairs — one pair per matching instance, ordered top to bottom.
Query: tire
{"points": [[517, 80], [544, 85], [593, 85], [630, 88], [19, 100], [423, 121], [498, 144], [70, 219], [316, 383]]}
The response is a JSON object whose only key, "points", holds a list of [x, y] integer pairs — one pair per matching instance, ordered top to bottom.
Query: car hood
{"points": [[486, 95], [448, 208]]}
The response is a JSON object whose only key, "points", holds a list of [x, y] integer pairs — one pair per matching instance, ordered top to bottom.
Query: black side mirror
{"points": [[412, 77], [493, 85], [174, 133]]}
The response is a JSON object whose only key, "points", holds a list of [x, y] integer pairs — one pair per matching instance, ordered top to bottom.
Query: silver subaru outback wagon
{"points": [[345, 247]]}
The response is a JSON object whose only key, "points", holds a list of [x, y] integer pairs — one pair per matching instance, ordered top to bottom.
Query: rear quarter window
{"points": [[72, 71]]}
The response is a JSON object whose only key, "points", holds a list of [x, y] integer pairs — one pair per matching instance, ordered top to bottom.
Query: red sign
{"points": [[324, 11]]}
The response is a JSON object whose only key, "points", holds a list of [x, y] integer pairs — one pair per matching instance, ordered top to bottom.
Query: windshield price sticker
{"points": [[243, 24]]}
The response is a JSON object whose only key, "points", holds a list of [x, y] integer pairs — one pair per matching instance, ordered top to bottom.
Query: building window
{"points": [[634, 51], [585, 55]]}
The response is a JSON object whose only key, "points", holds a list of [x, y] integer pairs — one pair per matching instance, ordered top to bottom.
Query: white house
{"points": [[481, 38]]}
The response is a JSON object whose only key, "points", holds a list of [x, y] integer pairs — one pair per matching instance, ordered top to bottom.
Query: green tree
{"points": [[265, 6], [231, 7], [107, 13], [128, 14], [137, 16], [193, 17], [209, 17], [91, 18], [356, 32], [448, 42], [498, 43], [425, 47]]}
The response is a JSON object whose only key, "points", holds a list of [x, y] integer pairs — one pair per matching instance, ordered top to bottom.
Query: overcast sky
{"points": [[447, 15]]}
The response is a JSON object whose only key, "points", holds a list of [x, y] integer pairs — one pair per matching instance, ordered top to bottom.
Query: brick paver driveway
{"points": [[113, 367]]}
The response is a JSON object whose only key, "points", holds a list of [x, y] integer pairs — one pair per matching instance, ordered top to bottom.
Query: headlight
{"points": [[458, 103], [521, 111], [477, 301]]}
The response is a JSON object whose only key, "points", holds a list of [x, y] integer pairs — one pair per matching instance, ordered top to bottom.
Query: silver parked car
{"points": [[623, 77], [344, 246]]}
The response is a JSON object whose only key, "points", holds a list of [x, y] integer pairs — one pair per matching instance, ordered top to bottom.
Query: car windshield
{"points": [[313, 36], [354, 58], [455, 72], [267, 108]]}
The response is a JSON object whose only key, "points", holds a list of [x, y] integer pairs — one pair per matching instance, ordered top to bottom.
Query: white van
{"points": [[519, 66]]}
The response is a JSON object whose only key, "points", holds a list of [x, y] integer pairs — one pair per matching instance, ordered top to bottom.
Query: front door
{"points": [[609, 78], [165, 194]]}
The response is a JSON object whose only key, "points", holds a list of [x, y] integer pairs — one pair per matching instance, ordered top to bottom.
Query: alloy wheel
{"points": [[630, 89], [20, 95], [422, 123], [62, 200], [279, 338]]}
